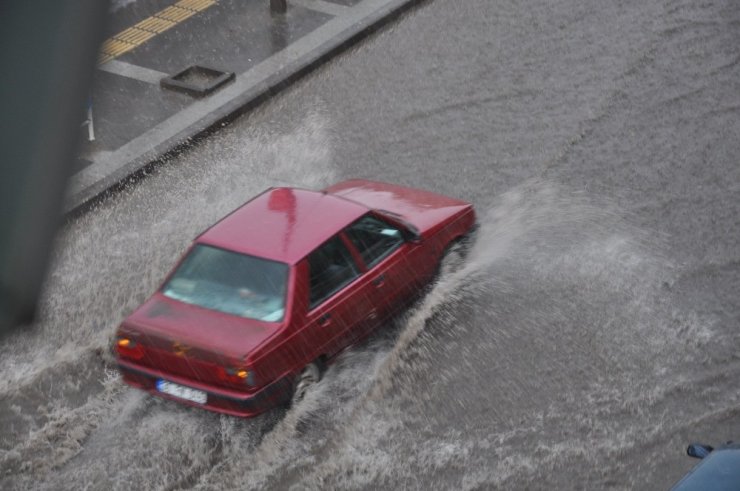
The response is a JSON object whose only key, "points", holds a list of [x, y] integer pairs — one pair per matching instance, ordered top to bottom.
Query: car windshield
{"points": [[230, 282]]}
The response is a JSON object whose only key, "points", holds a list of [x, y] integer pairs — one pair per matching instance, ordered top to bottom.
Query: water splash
{"points": [[546, 263], [105, 264]]}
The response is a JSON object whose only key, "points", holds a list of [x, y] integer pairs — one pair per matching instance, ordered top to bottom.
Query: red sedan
{"points": [[269, 295]]}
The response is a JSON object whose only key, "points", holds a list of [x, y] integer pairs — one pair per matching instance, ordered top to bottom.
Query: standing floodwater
{"points": [[589, 335]]}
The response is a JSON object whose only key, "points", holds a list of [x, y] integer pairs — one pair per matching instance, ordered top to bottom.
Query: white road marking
{"points": [[133, 71]]}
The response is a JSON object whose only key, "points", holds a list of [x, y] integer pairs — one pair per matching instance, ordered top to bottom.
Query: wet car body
{"points": [[336, 264], [719, 469]]}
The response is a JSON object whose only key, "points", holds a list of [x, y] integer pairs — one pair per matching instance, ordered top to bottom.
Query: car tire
{"points": [[454, 256], [308, 377]]}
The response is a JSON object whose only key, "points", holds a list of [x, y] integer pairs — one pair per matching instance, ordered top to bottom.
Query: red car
{"points": [[269, 295]]}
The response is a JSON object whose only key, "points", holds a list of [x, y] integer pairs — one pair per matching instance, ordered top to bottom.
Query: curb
{"points": [[129, 163]]}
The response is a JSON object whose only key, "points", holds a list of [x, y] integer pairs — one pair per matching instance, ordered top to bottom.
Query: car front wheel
{"points": [[454, 256], [308, 377]]}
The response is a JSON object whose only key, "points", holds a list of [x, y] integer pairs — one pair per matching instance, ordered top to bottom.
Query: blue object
{"points": [[719, 469]]}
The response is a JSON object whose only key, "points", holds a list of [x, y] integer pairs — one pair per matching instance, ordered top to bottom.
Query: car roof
{"points": [[283, 224]]}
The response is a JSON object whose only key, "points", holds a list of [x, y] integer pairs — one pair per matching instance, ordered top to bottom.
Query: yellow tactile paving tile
{"points": [[196, 5], [175, 14], [155, 24], [132, 37], [115, 47], [104, 58]]}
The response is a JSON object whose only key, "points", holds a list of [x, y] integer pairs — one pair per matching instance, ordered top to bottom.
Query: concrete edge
{"points": [[137, 167]]}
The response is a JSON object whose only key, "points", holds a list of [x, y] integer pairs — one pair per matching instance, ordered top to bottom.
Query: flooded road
{"points": [[591, 333]]}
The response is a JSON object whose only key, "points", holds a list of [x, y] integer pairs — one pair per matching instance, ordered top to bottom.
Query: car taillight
{"points": [[128, 348], [240, 376]]}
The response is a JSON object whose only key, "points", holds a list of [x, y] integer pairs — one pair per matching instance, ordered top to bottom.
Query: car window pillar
{"points": [[356, 256]]}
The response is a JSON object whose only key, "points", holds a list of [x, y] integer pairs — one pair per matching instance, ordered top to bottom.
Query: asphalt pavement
{"points": [[138, 120], [591, 335]]}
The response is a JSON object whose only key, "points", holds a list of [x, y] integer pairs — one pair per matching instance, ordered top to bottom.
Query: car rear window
{"points": [[230, 282]]}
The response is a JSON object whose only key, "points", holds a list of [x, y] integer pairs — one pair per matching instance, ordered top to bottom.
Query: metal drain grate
{"points": [[197, 81]]}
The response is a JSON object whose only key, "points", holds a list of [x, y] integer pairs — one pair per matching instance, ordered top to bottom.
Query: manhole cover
{"points": [[197, 81]]}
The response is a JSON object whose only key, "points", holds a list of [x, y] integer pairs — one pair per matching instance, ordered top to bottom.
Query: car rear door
{"points": [[340, 303]]}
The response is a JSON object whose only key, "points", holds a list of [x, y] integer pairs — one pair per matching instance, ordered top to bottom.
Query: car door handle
{"points": [[379, 280], [325, 320]]}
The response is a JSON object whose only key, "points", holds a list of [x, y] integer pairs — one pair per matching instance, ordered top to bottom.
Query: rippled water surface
{"points": [[589, 335]]}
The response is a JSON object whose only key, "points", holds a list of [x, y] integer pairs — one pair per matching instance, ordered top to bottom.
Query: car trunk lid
{"points": [[193, 342]]}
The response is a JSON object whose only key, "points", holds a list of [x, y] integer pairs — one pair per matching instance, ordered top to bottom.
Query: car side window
{"points": [[374, 238], [331, 267]]}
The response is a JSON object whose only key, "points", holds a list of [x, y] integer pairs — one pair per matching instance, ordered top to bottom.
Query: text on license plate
{"points": [[181, 391]]}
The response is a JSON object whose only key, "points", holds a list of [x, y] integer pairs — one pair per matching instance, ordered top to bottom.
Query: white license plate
{"points": [[181, 391]]}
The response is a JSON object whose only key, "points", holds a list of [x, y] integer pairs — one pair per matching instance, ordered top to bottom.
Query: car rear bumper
{"points": [[219, 399]]}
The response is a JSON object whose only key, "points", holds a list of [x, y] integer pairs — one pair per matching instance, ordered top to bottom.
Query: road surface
{"points": [[590, 335]]}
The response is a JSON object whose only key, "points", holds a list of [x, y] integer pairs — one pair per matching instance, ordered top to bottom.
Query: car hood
{"points": [[423, 209], [163, 321]]}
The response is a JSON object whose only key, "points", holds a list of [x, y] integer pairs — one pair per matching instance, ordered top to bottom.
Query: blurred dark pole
{"points": [[279, 6], [48, 51]]}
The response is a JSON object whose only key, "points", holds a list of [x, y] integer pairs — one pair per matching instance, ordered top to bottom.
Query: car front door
{"points": [[386, 256]]}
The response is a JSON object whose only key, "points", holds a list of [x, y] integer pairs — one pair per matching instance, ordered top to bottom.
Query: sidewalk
{"points": [[137, 121]]}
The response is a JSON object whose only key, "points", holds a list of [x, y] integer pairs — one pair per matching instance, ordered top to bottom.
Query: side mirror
{"points": [[408, 230], [412, 235], [698, 451]]}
